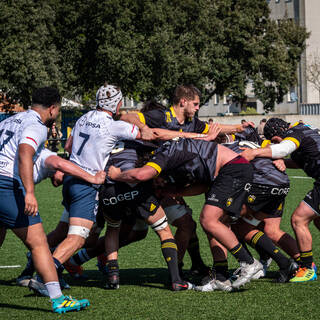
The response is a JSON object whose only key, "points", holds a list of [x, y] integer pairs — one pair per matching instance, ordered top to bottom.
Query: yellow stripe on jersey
{"points": [[173, 112], [168, 116], [141, 117], [295, 124], [206, 129], [265, 143], [297, 143], [154, 166], [152, 207]]}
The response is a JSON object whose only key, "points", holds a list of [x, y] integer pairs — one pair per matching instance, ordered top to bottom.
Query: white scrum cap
{"points": [[108, 97]]}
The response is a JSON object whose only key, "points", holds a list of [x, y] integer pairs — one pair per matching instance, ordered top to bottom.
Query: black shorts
{"points": [[228, 190], [267, 199], [312, 199], [118, 201]]}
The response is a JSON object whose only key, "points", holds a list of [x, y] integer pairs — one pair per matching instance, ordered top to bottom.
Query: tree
{"points": [[148, 47], [28, 55], [313, 70]]}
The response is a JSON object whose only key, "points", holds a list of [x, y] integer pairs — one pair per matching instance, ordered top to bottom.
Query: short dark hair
{"points": [[185, 91], [46, 96]]}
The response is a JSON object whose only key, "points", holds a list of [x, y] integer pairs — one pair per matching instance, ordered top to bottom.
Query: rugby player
{"points": [[22, 136], [94, 136], [302, 143], [188, 161], [49, 164], [116, 199]]}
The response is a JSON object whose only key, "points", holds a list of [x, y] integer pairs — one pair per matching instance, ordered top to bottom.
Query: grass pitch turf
{"points": [[143, 294]]}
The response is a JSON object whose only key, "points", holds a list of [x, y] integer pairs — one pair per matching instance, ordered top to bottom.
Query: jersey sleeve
{"points": [[153, 118], [200, 126], [124, 130], [34, 136], [294, 136], [167, 158]]}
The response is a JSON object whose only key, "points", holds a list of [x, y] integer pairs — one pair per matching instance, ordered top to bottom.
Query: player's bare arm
{"points": [[145, 131], [26, 153], [58, 163], [132, 176]]}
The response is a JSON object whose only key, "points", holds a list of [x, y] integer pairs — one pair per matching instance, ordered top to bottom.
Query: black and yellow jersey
{"points": [[166, 119], [307, 154], [186, 161]]}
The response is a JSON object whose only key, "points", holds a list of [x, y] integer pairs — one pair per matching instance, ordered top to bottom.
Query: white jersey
{"points": [[23, 127], [94, 136], [40, 170]]}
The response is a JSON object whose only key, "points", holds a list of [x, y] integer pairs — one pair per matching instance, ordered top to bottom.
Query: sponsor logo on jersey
{"points": [[82, 121], [92, 125], [3, 164], [280, 191], [128, 196], [213, 198], [251, 198], [229, 202]]}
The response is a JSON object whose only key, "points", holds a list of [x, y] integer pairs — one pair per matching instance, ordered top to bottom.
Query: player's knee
{"points": [[160, 224], [78, 235]]}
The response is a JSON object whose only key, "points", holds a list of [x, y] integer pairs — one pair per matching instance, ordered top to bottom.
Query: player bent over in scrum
{"points": [[188, 161]]}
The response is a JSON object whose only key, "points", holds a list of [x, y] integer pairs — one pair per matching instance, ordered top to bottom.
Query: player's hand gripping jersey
{"points": [[24, 127]]}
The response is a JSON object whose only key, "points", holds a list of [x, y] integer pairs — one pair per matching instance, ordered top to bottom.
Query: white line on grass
{"points": [[299, 177], [7, 267]]}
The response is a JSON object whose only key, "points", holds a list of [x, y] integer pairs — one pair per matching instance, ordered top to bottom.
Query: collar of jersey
{"points": [[37, 115], [174, 115]]}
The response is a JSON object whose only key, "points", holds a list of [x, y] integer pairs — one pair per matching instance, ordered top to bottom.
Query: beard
{"points": [[49, 123]]}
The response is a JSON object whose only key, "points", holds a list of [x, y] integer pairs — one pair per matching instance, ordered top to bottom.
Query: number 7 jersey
{"points": [[94, 136]]}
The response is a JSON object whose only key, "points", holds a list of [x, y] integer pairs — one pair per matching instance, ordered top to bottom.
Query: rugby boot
{"points": [[314, 267], [246, 272], [262, 273], [286, 274], [113, 275], [304, 275], [25, 276], [182, 286], [209, 286], [38, 287], [65, 304]]}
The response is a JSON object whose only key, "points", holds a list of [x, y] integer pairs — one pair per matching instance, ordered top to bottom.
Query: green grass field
{"points": [[142, 294]]}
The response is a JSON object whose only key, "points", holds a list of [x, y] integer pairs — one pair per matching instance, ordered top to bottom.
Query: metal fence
{"points": [[310, 108]]}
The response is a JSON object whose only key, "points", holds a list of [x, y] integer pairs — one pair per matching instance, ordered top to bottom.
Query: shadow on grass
{"points": [[145, 277], [11, 282], [17, 307]]}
